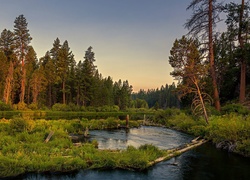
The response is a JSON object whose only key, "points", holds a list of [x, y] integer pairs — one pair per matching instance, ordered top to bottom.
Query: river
{"points": [[201, 163]]}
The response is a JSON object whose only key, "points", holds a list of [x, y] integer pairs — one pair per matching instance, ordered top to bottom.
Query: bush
{"points": [[20, 106], [33, 106], [4, 107], [60, 107], [73, 107], [235, 108], [162, 116], [19, 124], [232, 127]]}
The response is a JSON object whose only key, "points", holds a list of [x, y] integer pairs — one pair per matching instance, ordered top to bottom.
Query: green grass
{"points": [[22, 147]]}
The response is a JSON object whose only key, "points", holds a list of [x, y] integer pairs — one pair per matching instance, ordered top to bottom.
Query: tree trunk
{"points": [[211, 57], [243, 62], [23, 71], [8, 84], [35, 91], [63, 91], [28, 94], [50, 95], [78, 96], [202, 102]]}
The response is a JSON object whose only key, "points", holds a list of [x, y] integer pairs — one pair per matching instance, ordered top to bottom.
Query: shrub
{"points": [[20, 106], [33, 106], [4, 107], [60, 107], [73, 107], [115, 108], [235, 108], [91, 109], [162, 116], [18, 124], [231, 128], [198, 130]]}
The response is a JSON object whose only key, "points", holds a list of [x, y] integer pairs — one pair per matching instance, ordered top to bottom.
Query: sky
{"points": [[131, 39]]}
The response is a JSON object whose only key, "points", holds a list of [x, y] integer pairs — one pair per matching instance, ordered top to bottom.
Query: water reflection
{"points": [[119, 139]]}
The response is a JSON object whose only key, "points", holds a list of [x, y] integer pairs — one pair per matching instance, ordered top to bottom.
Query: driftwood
{"points": [[49, 136], [177, 151]]}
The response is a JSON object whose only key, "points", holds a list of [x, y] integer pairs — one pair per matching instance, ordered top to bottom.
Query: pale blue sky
{"points": [[131, 38]]}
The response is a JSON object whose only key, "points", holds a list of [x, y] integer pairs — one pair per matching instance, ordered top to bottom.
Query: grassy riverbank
{"points": [[229, 130], [23, 150]]}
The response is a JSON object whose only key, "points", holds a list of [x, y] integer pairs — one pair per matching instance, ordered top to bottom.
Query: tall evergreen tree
{"points": [[22, 41], [7, 45], [64, 60], [30, 67], [49, 68], [89, 70], [3, 71]]}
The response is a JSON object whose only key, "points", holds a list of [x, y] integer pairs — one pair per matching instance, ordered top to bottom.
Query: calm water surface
{"points": [[202, 163]]}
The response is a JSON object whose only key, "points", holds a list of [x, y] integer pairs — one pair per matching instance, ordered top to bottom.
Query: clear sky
{"points": [[131, 38]]}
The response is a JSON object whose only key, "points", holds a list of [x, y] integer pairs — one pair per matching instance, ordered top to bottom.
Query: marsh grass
{"points": [[23, 150]]}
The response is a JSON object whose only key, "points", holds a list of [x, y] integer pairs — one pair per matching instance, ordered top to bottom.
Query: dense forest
{"points": [[211, 68], [57, 78]]}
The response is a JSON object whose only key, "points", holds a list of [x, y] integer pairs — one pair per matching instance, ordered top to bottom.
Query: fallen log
{"points": [[49, 136], [177, 151]]}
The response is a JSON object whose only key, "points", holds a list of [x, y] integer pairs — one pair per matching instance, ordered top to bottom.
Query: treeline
{"points": [[56, 77], [162, 98]]}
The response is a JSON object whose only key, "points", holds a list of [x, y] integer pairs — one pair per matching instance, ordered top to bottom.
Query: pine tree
{"points": [[22, 41], [7, 46], [64, 60], [30, 67], [49, 69], [189, 69], [3, 71], [88, 73]]}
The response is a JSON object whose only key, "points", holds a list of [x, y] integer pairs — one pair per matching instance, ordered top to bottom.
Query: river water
{"points": [[202, 163]]}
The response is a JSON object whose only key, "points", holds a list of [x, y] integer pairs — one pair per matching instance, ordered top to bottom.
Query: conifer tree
{"points": [[22, 41], [7, 45], [30, 67], [89, 70]]}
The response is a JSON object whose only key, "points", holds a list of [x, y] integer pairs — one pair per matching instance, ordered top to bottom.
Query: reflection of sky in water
{"points": [[119, 139]]}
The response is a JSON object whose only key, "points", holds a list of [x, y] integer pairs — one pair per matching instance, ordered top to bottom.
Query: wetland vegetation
{"points": [[23, 148]]}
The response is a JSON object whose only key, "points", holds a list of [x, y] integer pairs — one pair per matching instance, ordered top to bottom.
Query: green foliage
{"points": [[160, 98], [20, 106], [33, 106], [5, 107], [60, 107], [235, 108], [163, 116], [18, 124], [231, 128], [25, 151], [10, 167]]}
